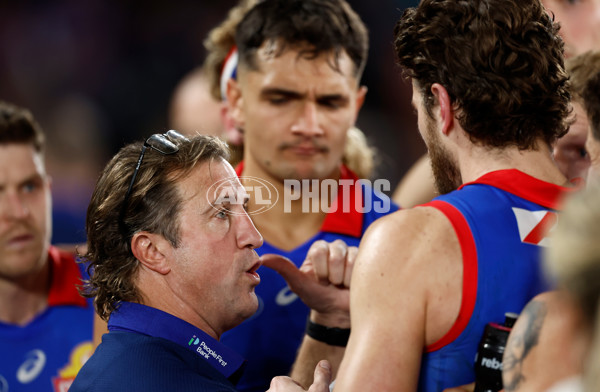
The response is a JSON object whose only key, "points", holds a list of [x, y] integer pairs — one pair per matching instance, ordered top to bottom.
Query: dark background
{"points": [[98, 74]]}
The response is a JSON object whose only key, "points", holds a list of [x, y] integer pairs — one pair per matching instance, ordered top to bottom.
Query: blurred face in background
{"points": [[580, 24], [580, 28], [193, 110], [592, 145], [570, 153], [25, 208]]}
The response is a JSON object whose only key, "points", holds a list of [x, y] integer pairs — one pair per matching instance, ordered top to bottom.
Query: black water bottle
{"points": [[488, 361]]}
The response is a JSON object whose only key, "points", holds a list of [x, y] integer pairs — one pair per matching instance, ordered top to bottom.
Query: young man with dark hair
{"points": [[296, 94]]}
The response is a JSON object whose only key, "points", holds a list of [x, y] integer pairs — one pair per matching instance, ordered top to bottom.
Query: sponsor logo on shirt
{"points": [[285, 296], [208, 352], [32, 367], [3, 384]]}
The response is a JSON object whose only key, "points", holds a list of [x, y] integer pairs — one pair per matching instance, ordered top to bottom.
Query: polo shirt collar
{"points": [[134, 317]]}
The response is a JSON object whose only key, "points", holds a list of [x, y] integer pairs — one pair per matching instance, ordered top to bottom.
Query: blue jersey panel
{"points": [[507, 234], [46, 354]]}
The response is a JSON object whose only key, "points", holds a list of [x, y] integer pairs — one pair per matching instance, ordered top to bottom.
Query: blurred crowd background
{"points": [[99, 73]]}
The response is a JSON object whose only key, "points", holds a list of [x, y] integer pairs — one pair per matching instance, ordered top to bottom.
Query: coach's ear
{"points": [[446, 112], [149, 249]]}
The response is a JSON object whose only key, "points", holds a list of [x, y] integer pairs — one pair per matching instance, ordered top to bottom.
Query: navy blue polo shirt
{"points": [[150, 350]]}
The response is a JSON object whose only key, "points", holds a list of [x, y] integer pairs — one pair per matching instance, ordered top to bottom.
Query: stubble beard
{"points": [[445, 170]]}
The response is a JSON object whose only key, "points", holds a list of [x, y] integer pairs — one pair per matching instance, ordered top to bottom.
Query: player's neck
{"points": [[537, 163], [288, 229], [22, 300]]}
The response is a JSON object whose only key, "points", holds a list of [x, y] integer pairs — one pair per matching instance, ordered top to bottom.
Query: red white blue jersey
{"points": [[501, 220], [269, 340], [46, 354]]}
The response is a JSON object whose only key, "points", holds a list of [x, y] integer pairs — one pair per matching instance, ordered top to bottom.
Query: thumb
{"points": [[322, 377]]}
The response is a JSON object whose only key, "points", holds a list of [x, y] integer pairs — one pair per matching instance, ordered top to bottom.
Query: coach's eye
{"points": [[222, 213]]}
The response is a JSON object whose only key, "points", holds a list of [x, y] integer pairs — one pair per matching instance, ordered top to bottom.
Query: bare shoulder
{"points": [[413, 235], [412, 260], [395, 298], [547, 344]]}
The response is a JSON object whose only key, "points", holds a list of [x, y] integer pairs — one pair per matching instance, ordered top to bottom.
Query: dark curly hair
{"points": [[314, 26], [501, 62], [154, 205]]}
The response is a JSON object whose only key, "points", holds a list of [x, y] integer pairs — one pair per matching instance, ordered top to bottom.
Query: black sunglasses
{"points": [[163, 143]]}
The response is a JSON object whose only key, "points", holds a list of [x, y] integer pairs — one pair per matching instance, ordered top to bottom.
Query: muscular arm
{"points": [[323, 284], [406, 292], [525, 337], [547, 344], [310, 353]]}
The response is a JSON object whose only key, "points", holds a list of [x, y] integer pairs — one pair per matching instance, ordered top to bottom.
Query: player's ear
{"points": [[360, 99], [234, 102], [446, 111], [232, 133]]}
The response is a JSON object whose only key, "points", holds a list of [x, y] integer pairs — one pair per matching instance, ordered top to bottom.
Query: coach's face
{"points": [[213, 268]]}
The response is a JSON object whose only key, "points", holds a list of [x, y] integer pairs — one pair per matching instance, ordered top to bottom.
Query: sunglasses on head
{"points": [[163, 143]]}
